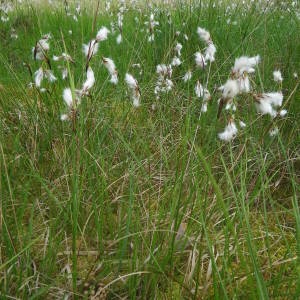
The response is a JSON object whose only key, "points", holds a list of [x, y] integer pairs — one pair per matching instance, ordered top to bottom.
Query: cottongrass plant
{"points": [[152, 23], [92, 47], [40, 53], [111, 67], [238, 84], [133, 85], [72, 101]]}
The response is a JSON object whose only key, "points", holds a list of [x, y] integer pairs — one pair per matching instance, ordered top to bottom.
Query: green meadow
{"points": [[125, 202]]}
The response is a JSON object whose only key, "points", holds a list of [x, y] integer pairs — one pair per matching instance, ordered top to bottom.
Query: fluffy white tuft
{"points": [[102, 34], [204, 35], [119, 39], [178, 48], [90, 49], [210, 52], [200, 60], [176, 61], [109, 64], [245, 64], [50, 76], [187, 76], [277, 76], [38, 77], [114, 78], [90, 80], [131, 81], [244, 84], [230, 89], [199, 91], [67, 96], [275, 98], [136, 100], [204, 107], [265, 108], [283, 113], [64, 117], [242, 124], [274, 131], [229, 132]]}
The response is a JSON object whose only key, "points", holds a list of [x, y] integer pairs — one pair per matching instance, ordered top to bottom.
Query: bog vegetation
{"points": [[149, 150]]}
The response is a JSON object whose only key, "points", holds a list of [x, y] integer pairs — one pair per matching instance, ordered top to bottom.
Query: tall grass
{"points": [[150, 204]]}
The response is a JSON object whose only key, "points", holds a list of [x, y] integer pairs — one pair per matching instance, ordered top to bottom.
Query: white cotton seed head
{"points": [[102, 34], [204, 35], [151, 38], [119, 39], [44, 45], [41, 47], [178, 48], [85, 49], [90, 49], [210, 52], [66, 57], [200, 60], [176, 61], [253, 61], [109, 64], [245, 64], [136, 66], [160, 69], [163, 70], [64, 73], [50, 76], [187, 76], [277, 76], [38, 77], [114, 78], [90, 80], [131, 81], [244, 84], [169, 85], [165, 86], [230, 89], [156, 90], [199, 91], [206, 95], [67, 96], [274, 99], [136, 100], [230, 106], [204, 107], [265, 108], [283, 113], [64, 117], [242, 124], [274, 131], [229, 132]]}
